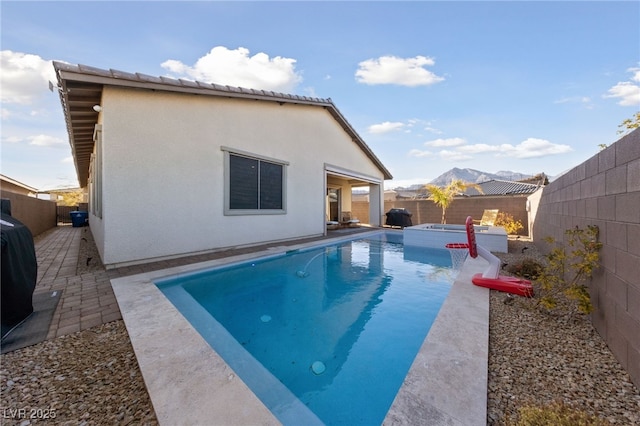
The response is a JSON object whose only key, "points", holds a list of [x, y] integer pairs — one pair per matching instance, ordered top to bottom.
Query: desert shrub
{"points": [[509, 224], [526, 268], [569, 268], [556, 414]]}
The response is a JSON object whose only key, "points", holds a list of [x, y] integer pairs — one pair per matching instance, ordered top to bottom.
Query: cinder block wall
{"points": [[605, 191], [426, 211], [37, 215]]}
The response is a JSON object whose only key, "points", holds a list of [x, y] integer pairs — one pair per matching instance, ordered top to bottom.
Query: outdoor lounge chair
{"points": [[488, 218], [348, 222], [332, 224]]}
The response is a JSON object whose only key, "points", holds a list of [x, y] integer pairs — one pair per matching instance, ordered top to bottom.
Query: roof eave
{"points": [[99, 78]]}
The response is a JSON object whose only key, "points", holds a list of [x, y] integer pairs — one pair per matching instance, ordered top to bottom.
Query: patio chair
{"points": [[488, 218], [348, 222], [332, 224]]}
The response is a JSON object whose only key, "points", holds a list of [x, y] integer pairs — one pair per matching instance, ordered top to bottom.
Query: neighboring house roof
{"points": [[80, 88], [14, 183], [490, 187], [502, 187], [413, 195]]}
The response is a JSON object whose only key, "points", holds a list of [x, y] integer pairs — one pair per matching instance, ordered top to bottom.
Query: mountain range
{"points": [[474, 176], [477, 176]]}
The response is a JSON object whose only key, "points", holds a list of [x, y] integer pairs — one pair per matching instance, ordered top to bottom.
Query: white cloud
{"points": [[236, 68], [401, 71], [24, 77], [626, 91], [574, 99], [427, 125], [407, 126], [385, 127], [433, 130], [11, 139], [45, 140], [446, 142], [479, 148], [529, 148], [533, 148], [456, 149], [418, 153], [454, 155], [68, 159]]}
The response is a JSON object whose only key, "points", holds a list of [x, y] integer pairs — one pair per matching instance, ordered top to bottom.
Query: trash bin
{"points": [[398, 217], [79, 218]]}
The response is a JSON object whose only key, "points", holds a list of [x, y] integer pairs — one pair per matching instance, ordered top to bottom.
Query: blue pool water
{"points": [[324, 335]]}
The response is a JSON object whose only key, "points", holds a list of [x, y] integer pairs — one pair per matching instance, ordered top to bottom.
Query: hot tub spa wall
{"points": [[605, 191]]}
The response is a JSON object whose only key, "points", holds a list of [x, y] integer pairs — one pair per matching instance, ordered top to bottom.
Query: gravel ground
{"points": [[537, 358], [92, 377], [86, 378]]}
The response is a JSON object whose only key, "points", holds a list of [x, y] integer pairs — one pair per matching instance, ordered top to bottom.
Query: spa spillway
{"points": [[435, 235]]}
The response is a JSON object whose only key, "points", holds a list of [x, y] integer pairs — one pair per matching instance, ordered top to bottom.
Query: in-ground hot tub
{"points": [[435, 235]]}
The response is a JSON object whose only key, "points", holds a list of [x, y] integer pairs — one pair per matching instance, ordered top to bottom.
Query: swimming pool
{"points": [[323, 335], [190, 383]]}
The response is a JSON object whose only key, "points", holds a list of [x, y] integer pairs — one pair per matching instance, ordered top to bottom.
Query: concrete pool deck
{"points": [[189, 383]]}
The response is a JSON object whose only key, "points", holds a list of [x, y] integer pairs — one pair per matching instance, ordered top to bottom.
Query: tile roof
{"points": [[80, 88], [502, 187]]}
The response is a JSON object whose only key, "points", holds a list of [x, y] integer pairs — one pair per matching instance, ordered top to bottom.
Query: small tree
{"points": [[630, 123], [625, 127], [444, 196], [569, 268]]}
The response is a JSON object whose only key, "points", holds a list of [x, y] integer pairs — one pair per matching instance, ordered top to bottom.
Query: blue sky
{"points": [[523, 86]]}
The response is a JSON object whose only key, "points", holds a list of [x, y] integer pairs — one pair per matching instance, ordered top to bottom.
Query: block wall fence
{"points": [[605, 191], [426, 211], [37, 215]]}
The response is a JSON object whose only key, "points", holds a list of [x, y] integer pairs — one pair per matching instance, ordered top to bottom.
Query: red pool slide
{"points": [[491, 278]]}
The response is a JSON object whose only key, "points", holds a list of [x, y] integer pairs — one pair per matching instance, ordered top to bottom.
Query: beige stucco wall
{"points": [[163, 186], [16, 189], [533, 202], [37, 215]]}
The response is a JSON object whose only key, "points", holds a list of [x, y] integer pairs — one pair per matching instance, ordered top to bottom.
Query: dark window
{"points": [[243, 183], [254, 184], [270, 185]]}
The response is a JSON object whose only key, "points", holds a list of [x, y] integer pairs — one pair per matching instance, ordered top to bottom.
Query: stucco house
{"points": [[177, 167]]}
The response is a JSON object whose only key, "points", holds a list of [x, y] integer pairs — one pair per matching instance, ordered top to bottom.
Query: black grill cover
{"points": [[398, 217], [19, 272]]}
